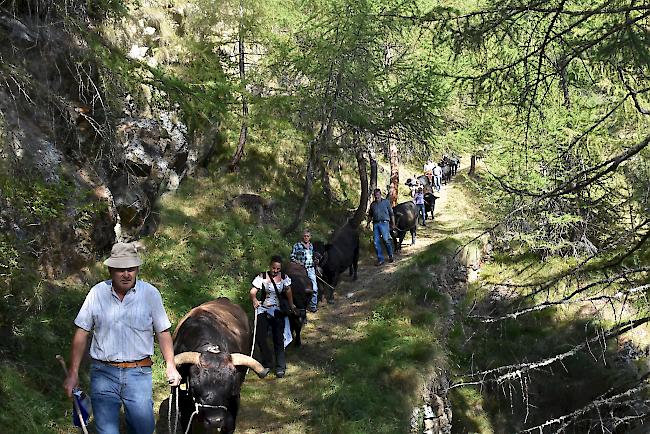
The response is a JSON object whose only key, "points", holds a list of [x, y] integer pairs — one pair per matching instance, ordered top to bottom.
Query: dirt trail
{"points": [[277, 405]]}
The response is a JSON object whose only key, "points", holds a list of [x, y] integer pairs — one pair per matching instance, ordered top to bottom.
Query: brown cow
{"points": [[301, 288], [210, 344]]}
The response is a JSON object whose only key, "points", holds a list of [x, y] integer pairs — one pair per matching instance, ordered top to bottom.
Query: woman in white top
{"points": [[273, 285]]}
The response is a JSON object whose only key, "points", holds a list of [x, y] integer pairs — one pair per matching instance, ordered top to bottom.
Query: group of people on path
{"points": [[434, 172], [381, 215], [123, 313]]}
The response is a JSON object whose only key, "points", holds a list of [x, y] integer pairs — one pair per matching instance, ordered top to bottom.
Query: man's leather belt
{"points": [[380, 221], [146, 362]]}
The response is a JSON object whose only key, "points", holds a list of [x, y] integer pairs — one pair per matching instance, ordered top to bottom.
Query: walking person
{"points": [[428, 170], [437, 177], [418, 199], [381, 215], [303, 253], [272, 285], [123, 314]]}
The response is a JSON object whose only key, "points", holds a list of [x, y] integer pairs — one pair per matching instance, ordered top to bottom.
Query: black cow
{"points": [[455, 162], [445, 165], [427, 187], [430, 203], [406, 219], [341, 253], [301, 289], [210, 344]]}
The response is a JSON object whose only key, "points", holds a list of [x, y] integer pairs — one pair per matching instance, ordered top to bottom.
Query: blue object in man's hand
{"points": [[82, 403]]}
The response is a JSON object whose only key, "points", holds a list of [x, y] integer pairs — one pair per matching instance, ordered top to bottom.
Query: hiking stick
{"points": [[326, 284], [75, 404]]}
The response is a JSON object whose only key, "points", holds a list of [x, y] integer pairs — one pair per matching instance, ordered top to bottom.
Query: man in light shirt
{"points": [[428, 170], [437, 177], [123, 314]]}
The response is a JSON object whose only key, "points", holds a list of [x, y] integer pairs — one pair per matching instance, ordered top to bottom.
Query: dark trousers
{"points": [[276, 323]]}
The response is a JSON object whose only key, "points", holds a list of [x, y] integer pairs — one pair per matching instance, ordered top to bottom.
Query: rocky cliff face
{"points": [[82, 161]]}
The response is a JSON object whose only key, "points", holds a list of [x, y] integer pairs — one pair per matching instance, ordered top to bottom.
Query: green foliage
{"points": [[102, 9], [356, 66], [198, 88], [36, 201], [9, 256], [30, 376], [23, 397]]}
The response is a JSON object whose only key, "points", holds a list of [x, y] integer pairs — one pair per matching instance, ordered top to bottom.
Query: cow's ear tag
{"points": [[214, 349]]}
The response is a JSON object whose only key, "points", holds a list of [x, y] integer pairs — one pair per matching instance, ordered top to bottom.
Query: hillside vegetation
{"points": [[214, 131]]}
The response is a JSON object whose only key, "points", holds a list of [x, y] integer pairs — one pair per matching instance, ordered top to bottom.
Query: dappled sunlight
{"points": [[215, 133], [366, 342], [469, 410]]}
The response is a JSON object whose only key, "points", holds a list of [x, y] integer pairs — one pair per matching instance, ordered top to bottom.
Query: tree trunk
{"points": [[564, 83], [243, 132], [243, 135], [322, 138], [472, 165], [373, 168], [394, 173], [325, 179], [306, 192], [361, 211]]}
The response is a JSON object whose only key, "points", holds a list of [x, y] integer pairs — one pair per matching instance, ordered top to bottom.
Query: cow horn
{"points": [[189, 357], [239, 359]]}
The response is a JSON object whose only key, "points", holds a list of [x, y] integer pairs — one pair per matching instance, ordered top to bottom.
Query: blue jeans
{"points": [[437, 181], [422, 212], [380, 230], [311, 273], [111, 387]]}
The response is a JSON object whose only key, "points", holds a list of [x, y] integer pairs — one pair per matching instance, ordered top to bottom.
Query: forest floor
{"points": [[279, 405]]}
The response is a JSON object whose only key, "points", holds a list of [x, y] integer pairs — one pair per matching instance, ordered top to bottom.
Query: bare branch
{"points": [[566, 300], [513, 372], [594, 405]]}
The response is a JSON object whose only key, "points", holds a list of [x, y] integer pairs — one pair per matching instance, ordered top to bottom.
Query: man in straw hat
{"points": [[123, 313]]}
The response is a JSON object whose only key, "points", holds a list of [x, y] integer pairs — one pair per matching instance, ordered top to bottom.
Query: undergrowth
{"points": [[553, 391]]}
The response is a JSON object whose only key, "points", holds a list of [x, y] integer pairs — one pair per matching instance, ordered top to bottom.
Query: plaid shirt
{"points": [[303, 255]]}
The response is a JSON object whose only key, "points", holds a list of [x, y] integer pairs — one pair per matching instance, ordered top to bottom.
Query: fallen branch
{"points": [[565, 300], [517, 371], [596, 404]]}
